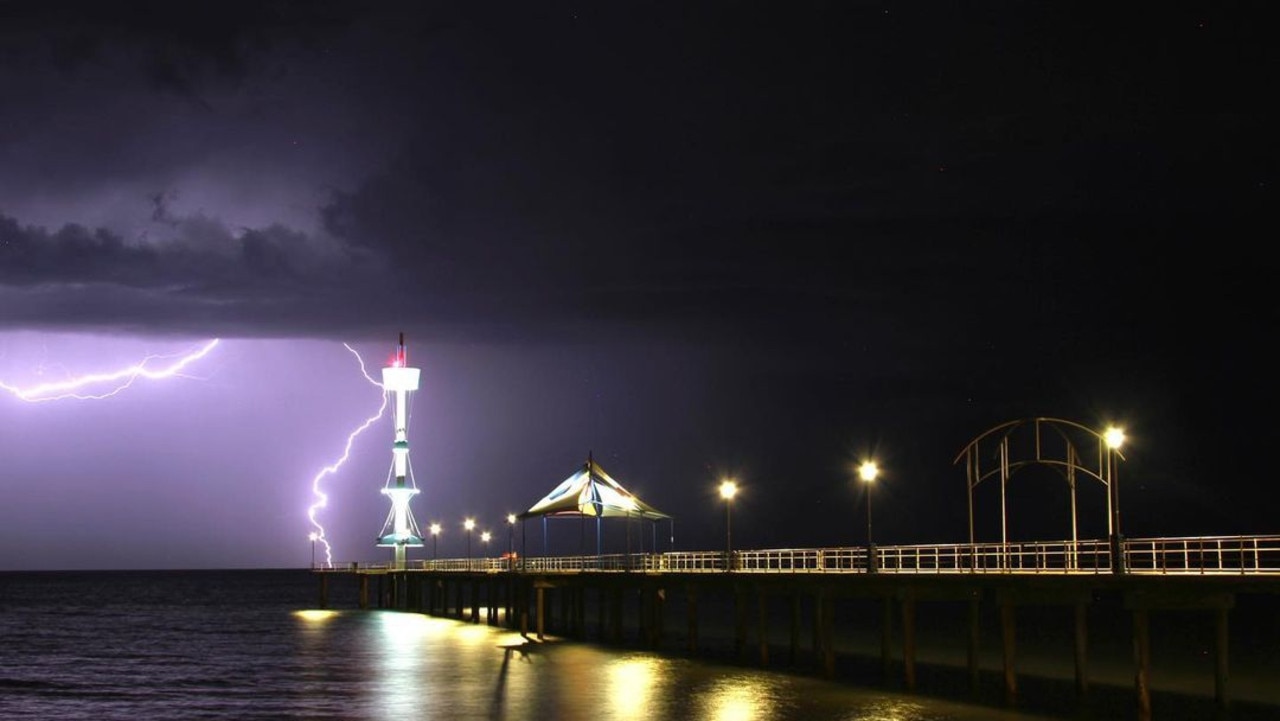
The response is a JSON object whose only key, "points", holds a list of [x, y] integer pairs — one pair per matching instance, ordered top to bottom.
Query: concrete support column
{"points": [[523, 593], [566, 600], [491, 601], [691, 606], [541, 612], [580, 612], [659, 615], [602, 616], [644, 616], [647, 616], [508, 618], [615, 620], [739, 621], [816, 621], [762, 626], [886, 637], [1008, 637], [828, 640], [975, 640], [909, 641], [794, 646], [1082, 646], [1220, 658], [1142, 662]]}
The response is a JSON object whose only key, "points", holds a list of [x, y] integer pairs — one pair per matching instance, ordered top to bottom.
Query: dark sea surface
{"points": [[253, 645]]}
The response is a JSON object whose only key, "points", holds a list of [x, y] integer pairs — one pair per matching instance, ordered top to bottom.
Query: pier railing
{"points": [[1202, 555]]}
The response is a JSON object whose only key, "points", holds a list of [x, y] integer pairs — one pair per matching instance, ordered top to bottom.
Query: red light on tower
{"points": [[399, 359]]}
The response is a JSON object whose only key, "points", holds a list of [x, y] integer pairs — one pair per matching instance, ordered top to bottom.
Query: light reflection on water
{"points": [[404, 638], [233, 646], [411, 666], [632, 682], [739, 698]]}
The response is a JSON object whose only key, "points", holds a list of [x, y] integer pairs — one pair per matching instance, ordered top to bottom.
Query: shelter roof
{"points": [[592, 492]]}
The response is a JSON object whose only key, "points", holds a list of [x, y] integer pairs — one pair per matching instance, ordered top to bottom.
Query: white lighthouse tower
{"points": [[400, 530]]}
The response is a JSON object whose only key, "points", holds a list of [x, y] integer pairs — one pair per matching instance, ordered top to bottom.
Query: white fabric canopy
{"points": [[592, 492]]}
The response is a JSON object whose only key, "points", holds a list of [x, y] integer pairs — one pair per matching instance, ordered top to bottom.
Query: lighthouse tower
{"points": [[400, 529]]}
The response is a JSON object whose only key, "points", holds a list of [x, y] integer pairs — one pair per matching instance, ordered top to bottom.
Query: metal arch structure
{"points": [[1052, 442]]}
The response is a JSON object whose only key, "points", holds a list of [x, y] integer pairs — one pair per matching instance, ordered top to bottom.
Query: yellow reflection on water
{"points": [[315, 615], [406, 631], [474, 635], [399, 665], [631, 685], [740, 699], [892, 709]]}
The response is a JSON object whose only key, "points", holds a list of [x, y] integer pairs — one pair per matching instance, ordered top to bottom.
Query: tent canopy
{"points": [[592, 492]]}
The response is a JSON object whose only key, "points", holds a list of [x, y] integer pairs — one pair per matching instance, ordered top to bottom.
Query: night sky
{"points": [[691, 239]]}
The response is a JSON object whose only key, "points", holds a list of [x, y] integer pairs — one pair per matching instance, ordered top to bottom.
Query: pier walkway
{"points": [[1247, 555], [1113, 575], [1202, 575]]}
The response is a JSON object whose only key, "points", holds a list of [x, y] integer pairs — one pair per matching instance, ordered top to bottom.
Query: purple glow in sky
{"points": [[689, 242], [103, 384], [316, 510]]}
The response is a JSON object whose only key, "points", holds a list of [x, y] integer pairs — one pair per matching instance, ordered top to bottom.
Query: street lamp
{"points": [[1114, 438], [868, 472], [728, 489], [470, 525], [435, 536], [314, 537], [484, 538], [511, 540]]}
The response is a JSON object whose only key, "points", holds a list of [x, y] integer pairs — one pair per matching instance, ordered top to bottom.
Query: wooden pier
{"points": [[787, 599]]}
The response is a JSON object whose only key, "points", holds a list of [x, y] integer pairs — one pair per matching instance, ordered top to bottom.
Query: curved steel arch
{"points": [[1069, 464]]}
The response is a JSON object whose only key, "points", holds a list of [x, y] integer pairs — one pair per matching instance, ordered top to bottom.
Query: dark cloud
{"points": [[636, 164], [853, 215]]}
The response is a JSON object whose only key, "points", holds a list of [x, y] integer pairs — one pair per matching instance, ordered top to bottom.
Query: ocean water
{"points": [[253, 645]]}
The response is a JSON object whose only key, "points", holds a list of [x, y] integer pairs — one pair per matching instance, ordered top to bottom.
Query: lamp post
{"points": [[1114, 438], [868, 472], [728, 489], [470, 525], [435, 536], [314, 537], [511, 540]]}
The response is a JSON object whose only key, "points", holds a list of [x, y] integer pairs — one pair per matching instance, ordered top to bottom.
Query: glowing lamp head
{"points": [[1114, 437], [868, 471], [728, 489], [511, 518], [469, 524], [435, 529], [486, 536], [313, 537]]}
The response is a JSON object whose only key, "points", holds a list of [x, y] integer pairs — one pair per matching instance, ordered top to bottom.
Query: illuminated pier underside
{"points": [[400, 531]]}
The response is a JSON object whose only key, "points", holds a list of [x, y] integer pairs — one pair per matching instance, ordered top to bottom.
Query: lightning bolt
{"points": [[96, 386], [323, 499]]}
